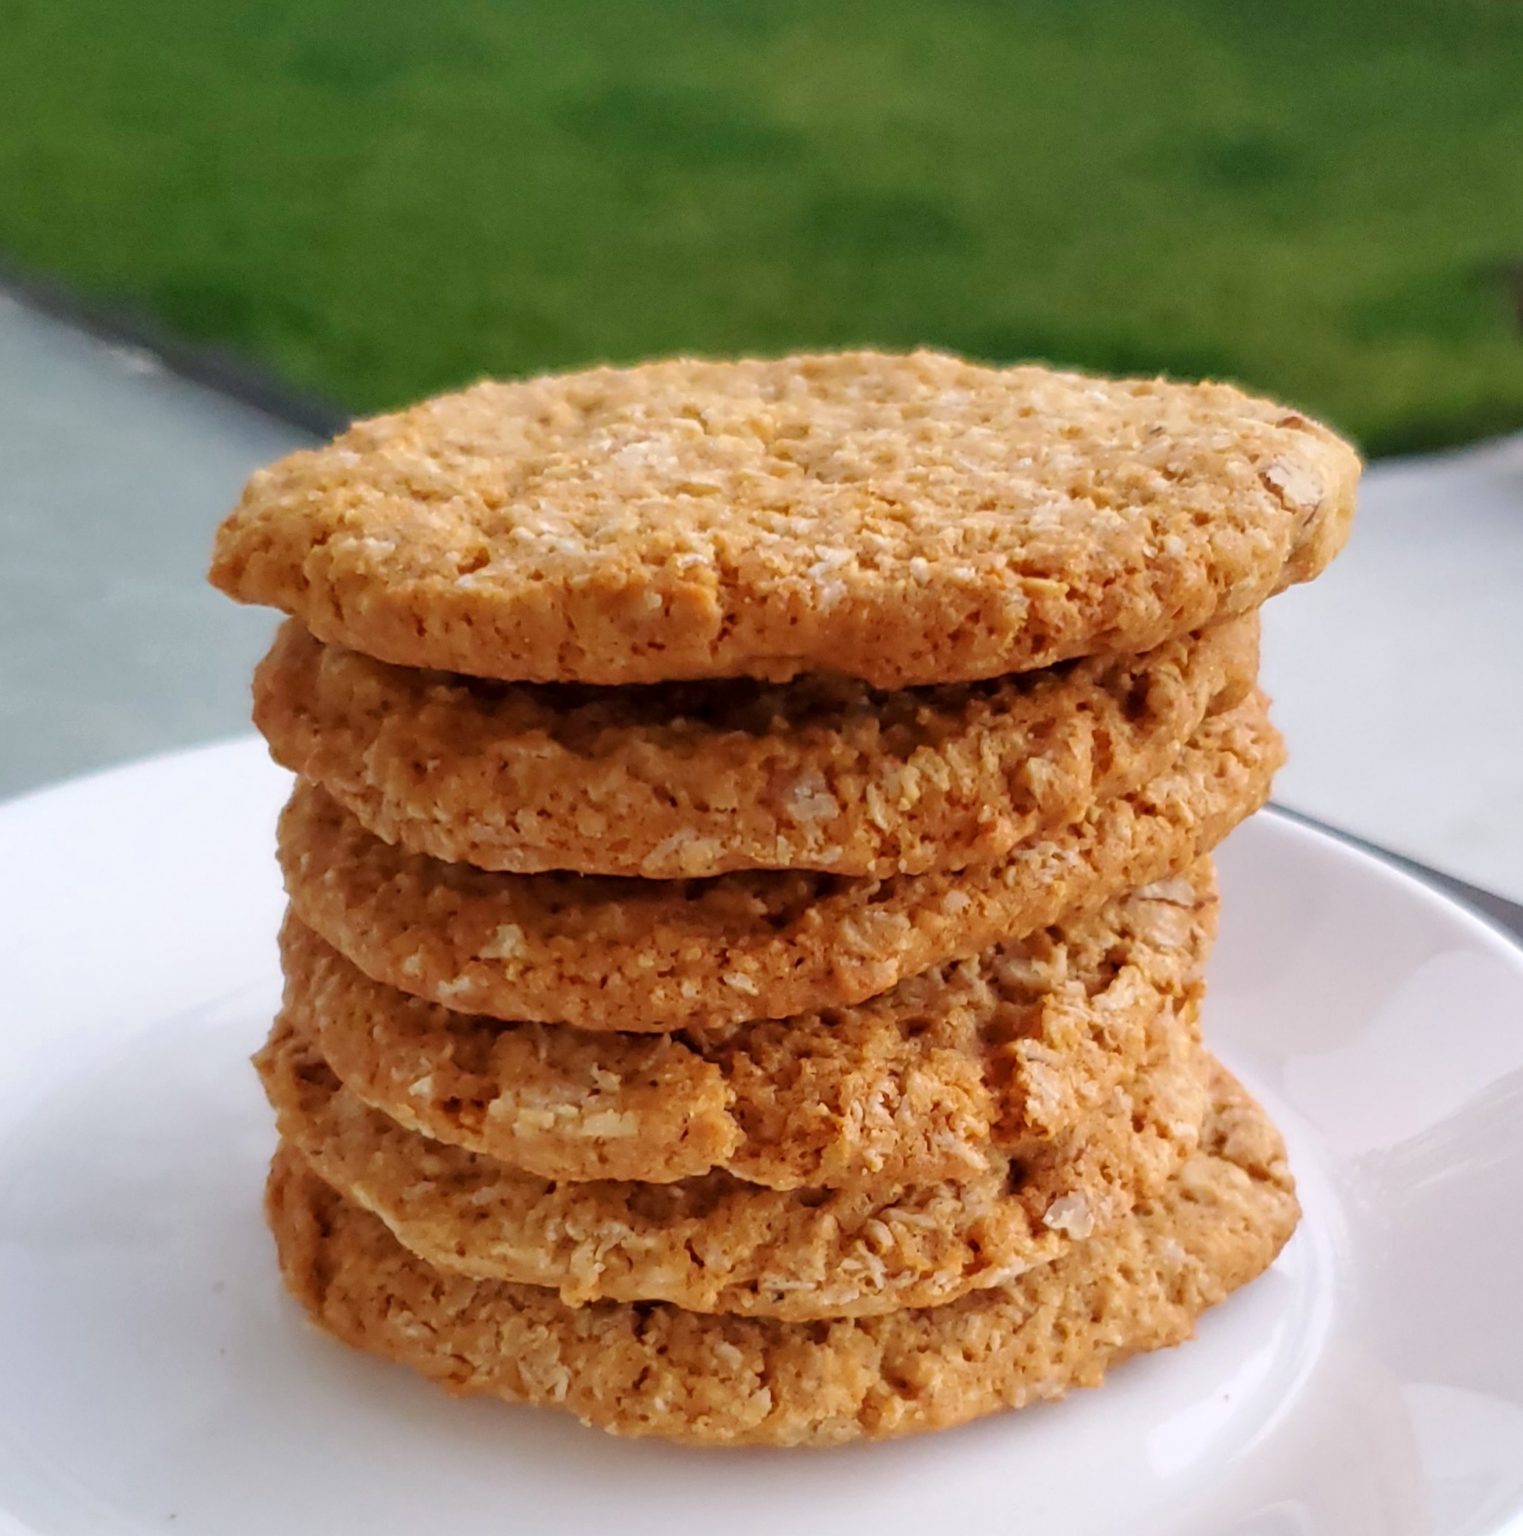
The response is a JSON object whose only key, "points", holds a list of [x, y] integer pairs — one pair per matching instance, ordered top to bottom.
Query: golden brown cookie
{"points": [[903, 519], [689, 779], [638, 955], [914, 1086], [716, 1244], [653, 1369]]}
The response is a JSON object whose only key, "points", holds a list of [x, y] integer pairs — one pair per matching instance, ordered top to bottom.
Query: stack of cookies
{"points": [[749, 879]]}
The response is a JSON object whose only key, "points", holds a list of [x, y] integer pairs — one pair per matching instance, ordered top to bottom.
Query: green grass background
{"points": [[1323, 198]]}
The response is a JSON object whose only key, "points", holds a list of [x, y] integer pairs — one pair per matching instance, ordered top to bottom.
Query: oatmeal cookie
{"points": [[901, 519], [678, 780], [649, 955], [917, 1085], [716, 1244], [654, 1369]]}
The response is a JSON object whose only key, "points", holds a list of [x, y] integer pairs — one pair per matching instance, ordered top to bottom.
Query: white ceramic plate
{"points": [[154, 1378]]}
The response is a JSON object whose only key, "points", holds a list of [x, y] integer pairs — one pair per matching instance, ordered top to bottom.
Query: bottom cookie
{"points": [[653, 1369]]}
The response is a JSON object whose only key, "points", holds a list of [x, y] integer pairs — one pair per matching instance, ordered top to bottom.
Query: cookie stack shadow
{"points": [[748, 1061]]}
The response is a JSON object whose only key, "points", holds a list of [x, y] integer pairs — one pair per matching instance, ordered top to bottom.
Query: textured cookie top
{"points": [[903, 519], [692, 779], [924, 1083], [717, 1244], [654, 1369]]}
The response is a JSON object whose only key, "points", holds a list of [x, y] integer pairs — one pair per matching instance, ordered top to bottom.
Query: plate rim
{"points": [[1304, 840]]}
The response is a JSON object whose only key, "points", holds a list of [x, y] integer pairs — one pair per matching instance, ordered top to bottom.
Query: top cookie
{"points": [[902, 519]]}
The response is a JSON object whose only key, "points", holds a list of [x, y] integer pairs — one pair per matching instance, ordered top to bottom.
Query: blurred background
{"points": [[377, 200], [224, 228]]}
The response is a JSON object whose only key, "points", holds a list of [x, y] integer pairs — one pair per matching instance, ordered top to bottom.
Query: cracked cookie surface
{"points": [[692, 779], [637, 955], [920, 1084], [716, 1244], [654, 1369]]}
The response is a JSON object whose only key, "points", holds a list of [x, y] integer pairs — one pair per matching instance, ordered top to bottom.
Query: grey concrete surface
{"points": [[113, 474], [1398, 677]]}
